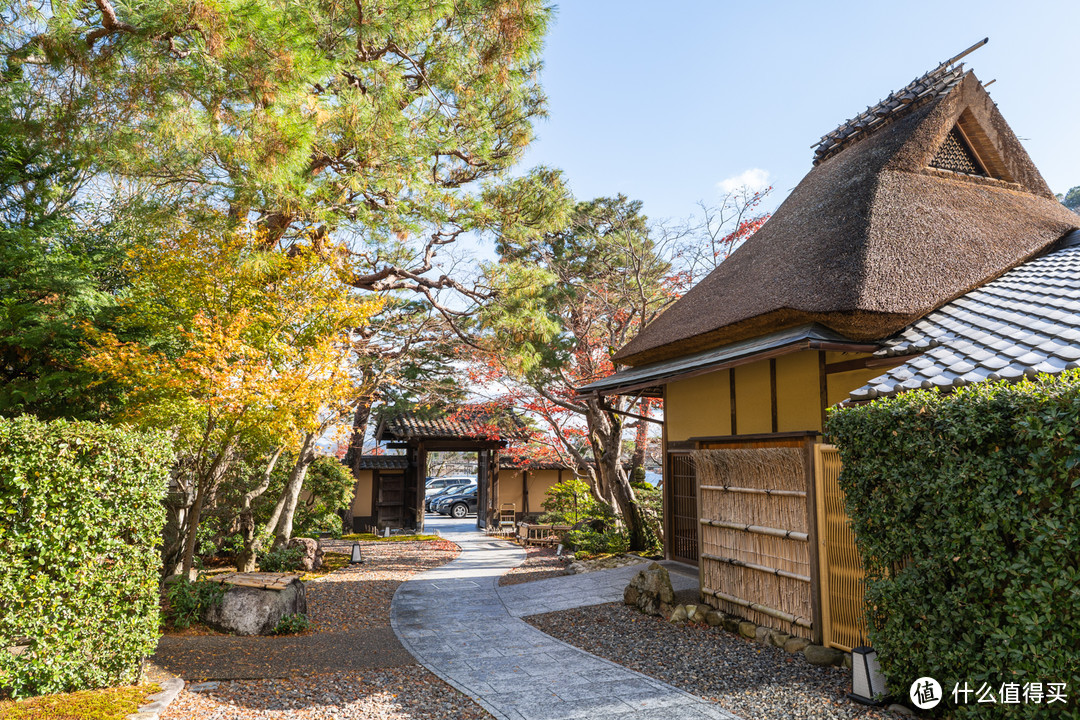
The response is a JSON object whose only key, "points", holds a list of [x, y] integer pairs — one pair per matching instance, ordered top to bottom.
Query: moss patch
{"points": [[331, 561], [105, 704]]}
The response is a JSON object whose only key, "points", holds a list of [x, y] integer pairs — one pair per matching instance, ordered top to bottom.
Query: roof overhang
{"points": [[647, 380]]}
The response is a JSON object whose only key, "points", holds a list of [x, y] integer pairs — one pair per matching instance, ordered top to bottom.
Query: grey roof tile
{"points": [[1023, 323]]}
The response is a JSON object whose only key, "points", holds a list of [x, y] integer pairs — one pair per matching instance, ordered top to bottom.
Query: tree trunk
{"points": [[605, 433], [641, 440], [355, 453], [206, 483], [291, 496], [245, 559]]}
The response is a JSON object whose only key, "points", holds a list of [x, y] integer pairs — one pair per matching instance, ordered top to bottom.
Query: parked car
{"points": [[435, 484], [429, 500], [457, 505]]}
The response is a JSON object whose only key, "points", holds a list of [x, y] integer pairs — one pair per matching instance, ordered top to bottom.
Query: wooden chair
{"points": [[507, 518]]}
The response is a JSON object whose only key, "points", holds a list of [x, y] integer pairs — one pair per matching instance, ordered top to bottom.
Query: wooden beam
{"points": [[867, 363], [812, 501]]}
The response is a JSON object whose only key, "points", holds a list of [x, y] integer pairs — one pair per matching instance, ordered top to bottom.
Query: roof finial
{"points": [[967, 52]]}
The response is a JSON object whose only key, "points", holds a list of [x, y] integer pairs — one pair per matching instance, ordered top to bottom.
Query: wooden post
{"points": [[421, 487], [481, 487], [524, 491], [493, 499], [812, 540]]}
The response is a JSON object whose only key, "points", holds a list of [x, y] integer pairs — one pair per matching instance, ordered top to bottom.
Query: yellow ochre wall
{"points": [[698, 406], [701, 406], [540, 481], [361, 504]]}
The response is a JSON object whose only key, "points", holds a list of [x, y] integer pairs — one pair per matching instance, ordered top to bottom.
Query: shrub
{"points": [[570, 502], [81, 515], [967, 520], [590, 542], [281, 559], [189, 601], [292, 624]]}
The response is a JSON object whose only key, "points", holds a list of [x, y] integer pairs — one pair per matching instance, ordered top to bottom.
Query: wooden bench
{"points": [[534, 534]]}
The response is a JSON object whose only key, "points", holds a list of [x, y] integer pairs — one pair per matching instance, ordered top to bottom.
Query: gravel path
{"points": [[540, 563], [350, 666], [749, 679], [408, 693]]}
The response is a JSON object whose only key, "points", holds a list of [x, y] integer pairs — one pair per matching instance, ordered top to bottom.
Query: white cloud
{"points": [[754, 179]]}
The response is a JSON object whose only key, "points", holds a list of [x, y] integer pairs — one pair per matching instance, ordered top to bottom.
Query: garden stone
{"points": [[312, 558], [651, 591], [256, 611], [691, 612], [678, 614], [714, 618], [730, 623], [747, 629], [761, 635], [778, 639], [796, 644], [818, 655], [847, 661], [204, 686], [899, 709]]}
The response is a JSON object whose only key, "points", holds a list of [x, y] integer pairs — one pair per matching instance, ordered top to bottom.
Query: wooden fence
{"points": [[757, 556], [842, 584]]}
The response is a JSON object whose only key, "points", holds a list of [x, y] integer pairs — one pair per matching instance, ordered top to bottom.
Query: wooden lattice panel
{"points": [[955, 155], [842, 578]]}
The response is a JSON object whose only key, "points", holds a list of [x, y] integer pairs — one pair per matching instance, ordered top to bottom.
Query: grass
{"points": [[369, 537], [105, 704]]}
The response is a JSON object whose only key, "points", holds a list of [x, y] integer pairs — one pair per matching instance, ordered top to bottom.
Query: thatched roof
{"points": [[876, 236], [474, 423]]}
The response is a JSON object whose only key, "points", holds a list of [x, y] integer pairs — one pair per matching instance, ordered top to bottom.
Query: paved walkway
{"points": [[571, 591], [454, 622]]}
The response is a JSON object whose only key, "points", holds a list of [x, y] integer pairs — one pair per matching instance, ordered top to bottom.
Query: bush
{"points": [[570, 502], [81, 515], [966, 515], [590, 542], [282, 559], [189, 601], [292, 624]]}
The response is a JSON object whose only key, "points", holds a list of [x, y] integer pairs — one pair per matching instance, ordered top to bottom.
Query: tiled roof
{"points": [[935, 83], [1023, 323], [464, 424], [382, 462]]}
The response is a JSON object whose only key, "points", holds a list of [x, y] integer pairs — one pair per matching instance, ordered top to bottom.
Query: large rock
{"points": [[312, 559], [650, 590], [256, 611], [818, 655]]}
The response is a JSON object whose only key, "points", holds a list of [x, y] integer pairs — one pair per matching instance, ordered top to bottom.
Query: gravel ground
{"points": [[540, 563], [348, 608], [751, 680], [409, 693]]}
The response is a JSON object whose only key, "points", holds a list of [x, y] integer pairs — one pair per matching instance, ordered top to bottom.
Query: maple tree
{"points": [[249, 347]]}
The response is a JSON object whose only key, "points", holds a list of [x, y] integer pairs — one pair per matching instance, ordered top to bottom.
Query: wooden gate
{"points": [[684, 514], [842, 578]]}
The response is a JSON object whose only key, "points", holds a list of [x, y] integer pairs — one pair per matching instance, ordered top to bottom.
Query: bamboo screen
{"points": [[755, 554], [842, 587]]}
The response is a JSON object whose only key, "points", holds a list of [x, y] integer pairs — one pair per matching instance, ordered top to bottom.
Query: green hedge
{"points": [[966, 513], [80, 516]]}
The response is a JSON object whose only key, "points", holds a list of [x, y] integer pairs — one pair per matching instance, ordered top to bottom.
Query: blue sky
{"points": [[663, 101]]}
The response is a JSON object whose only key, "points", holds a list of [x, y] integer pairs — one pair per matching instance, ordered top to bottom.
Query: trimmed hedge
{"points": [[966, 513], [80, 518]]}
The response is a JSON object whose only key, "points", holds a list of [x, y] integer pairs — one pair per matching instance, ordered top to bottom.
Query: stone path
{"points": [[572, 591], [453, 620]]}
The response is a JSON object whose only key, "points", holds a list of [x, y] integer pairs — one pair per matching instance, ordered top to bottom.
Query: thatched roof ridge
{"points": [[873, 238]]}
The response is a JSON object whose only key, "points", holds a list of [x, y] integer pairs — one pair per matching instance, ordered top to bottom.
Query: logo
{"points": [[925, 693]]}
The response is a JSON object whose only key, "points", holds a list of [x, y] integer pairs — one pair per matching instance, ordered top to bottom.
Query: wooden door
{"points": [[390, 503], [683, 503]]}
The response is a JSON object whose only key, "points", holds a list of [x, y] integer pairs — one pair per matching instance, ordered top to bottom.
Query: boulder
{"points": [[312, 559], [650, 590], [256, 611], [691, 612], [678, 614], [714, 618], [731, 623], [748, 629], [762, 634], [818, 655]]}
